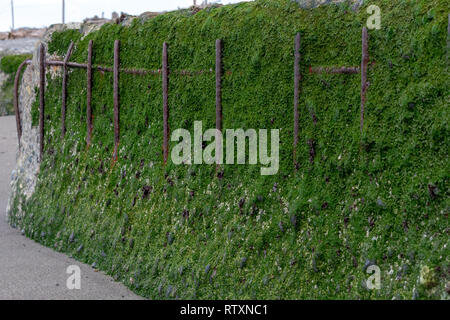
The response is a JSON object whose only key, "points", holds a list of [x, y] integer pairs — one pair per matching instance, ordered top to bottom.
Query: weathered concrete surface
{"points": [[29, 270]]}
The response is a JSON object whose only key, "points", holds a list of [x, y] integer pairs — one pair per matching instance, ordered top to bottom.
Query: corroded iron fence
{"points": [[116, 70], [329, 70], [165, 72]]}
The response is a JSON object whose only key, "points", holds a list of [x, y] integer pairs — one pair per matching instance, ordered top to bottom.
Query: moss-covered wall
{"points": [[182, 231]]}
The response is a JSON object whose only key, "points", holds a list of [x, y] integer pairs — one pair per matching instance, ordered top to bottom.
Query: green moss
{"points": [[9, 65], [299, 234]]}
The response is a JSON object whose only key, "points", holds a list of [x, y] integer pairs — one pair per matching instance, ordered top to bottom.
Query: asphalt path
{"points": [[29, 271]]}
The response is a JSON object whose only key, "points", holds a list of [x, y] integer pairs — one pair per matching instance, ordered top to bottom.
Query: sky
{"points": [[41, 13]]}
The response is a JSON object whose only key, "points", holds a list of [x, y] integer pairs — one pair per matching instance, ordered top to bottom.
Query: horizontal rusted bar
{"points": [[334, 70], [141, 72], [191, 73]]}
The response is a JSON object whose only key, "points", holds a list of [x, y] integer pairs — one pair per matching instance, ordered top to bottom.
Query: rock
{"points": [[433, 191], [380, 203], [294, 220], [72, 237], [170, 238], [390, 253], [412, 255], [243, 262], [368, 263], [314, 264], [94, 265], [402, 272], [169, 291]]}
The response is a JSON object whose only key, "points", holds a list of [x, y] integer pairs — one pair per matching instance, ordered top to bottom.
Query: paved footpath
{"points": [[27, 269]]}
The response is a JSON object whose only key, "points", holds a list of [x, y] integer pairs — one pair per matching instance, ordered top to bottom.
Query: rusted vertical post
{"points": [[219, 68], [297, 79], [364, 84], [165, 86], [64, 91], [89, 95], [16, 99], [116, 99], [41, 100]]}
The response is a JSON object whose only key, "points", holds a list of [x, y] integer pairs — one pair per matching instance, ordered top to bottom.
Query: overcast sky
{"points": [[39, 13]]}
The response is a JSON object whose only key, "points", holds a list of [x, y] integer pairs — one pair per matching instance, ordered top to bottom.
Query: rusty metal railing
{"points": [[116, 70], [329, 70], [165, 72]]}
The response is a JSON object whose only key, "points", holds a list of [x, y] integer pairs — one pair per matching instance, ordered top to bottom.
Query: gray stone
{"points": [[380, 203], [294, 220], [72, 237], [170, 238], [243, 262], [368, 263], [314, 264], [402, 272], [169, 291]]}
